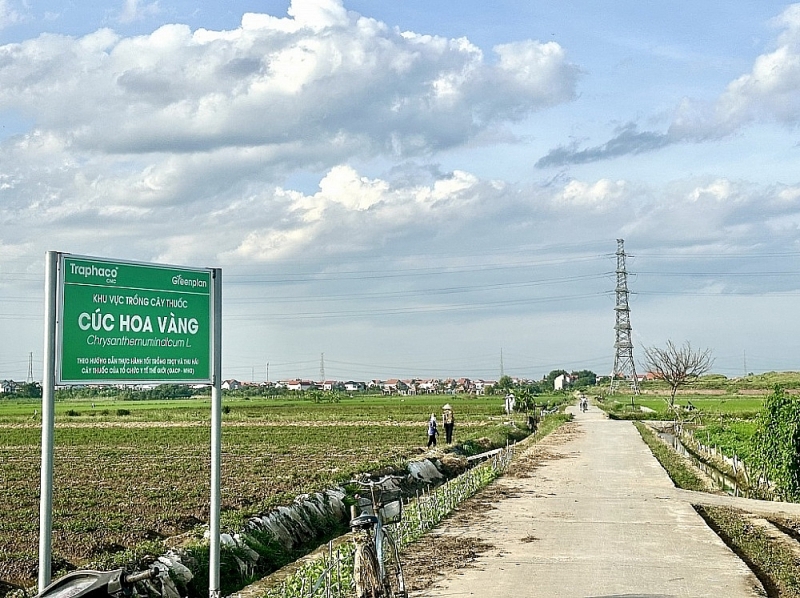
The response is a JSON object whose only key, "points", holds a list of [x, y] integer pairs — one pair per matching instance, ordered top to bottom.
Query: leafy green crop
{"points": [[776, 441]]}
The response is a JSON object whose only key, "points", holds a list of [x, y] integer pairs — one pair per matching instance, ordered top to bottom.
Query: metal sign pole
{"points": [[48, 418], [216, 435]]}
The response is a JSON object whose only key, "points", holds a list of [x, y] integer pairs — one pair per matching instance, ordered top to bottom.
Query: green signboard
{"points": [[125, 322]]}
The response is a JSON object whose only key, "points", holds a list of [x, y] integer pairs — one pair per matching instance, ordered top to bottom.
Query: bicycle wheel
{"points": [[366, 573], [394, 581]]}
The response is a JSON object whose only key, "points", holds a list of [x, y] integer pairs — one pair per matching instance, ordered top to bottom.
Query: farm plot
{"points": [[118, 483]]}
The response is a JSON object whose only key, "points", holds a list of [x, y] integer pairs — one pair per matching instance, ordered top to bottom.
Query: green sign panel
{"points": [[124, 322]]}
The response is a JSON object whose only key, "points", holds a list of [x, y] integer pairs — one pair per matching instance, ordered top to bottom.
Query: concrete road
{"points": [[601, 519]]}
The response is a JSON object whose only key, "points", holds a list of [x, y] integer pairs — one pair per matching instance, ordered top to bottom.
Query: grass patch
{"points": [[682, 475], [772, 562]]}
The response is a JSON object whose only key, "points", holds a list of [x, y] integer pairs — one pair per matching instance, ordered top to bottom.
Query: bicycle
{"points": [[377, 570]]}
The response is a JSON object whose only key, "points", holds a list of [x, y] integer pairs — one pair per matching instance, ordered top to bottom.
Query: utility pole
{"points": [[624, 367], [502, 370], [267, 371]]}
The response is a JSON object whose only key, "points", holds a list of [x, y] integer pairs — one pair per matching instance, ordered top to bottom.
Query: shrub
{"points": [[775, 442]]}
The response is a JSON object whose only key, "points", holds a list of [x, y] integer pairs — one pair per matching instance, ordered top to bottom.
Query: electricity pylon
{"points": [[624, 367]]}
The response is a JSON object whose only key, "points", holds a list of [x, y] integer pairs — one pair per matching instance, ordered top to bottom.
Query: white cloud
{"points": [[134, 10], [318, 14], [276, 82], [770, 91], [720, 190], [601, 195]]}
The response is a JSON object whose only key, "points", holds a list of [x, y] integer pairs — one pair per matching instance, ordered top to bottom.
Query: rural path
{"points": [[597, 518]]}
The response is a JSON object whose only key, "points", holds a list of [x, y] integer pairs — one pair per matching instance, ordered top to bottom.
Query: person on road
{"points": [[449, 422], [433, 431]]}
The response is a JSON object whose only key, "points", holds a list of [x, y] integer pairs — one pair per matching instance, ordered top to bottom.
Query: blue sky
{"points": [[410, 190]]}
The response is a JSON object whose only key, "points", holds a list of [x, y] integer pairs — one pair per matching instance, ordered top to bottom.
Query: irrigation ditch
{"points": [[728, 473]]}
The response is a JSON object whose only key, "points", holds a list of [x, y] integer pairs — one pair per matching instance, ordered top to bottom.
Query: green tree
{"points": [[584, 378], [505, 383], [29, 390], [524, 399], [776, 441]]}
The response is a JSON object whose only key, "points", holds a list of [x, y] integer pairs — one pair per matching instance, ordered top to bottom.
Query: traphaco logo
{"points": [[94, 271], [195, 283]]}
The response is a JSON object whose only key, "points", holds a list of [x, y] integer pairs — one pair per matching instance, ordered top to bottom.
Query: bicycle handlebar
{"points": [[372, 483]]}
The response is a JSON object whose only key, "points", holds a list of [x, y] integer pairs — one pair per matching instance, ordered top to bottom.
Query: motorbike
{"points": [[88, 584]]}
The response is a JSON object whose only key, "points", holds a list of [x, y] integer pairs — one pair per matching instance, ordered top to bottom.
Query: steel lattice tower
{"points": [[624, 367]]}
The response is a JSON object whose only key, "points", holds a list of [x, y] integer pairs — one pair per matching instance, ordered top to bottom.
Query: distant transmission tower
{"points": [[322, 367], [30, 368], [624, 368], [502, 369]]}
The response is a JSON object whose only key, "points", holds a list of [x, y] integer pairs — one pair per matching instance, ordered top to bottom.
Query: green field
{"points": [[721, 405], [126, 472]]}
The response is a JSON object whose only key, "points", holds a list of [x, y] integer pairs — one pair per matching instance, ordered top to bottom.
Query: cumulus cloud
{"points": [[321, 75], [770, 92], [601, 195], [218, 208]]}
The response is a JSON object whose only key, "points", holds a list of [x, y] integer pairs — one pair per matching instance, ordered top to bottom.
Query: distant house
{"points": [[647, 377], [562, 382], [231, 384], [299, 385], [332, 385], [464, 385], [8, 386], [353, 386], [432, 386], [484, 386], [394, 387]]}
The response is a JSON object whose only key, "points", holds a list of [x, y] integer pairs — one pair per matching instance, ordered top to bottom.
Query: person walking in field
{"points": [[449, 422], [433, 431]]}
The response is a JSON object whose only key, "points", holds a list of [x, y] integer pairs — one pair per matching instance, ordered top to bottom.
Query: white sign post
{"points": [[115, 322]]}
